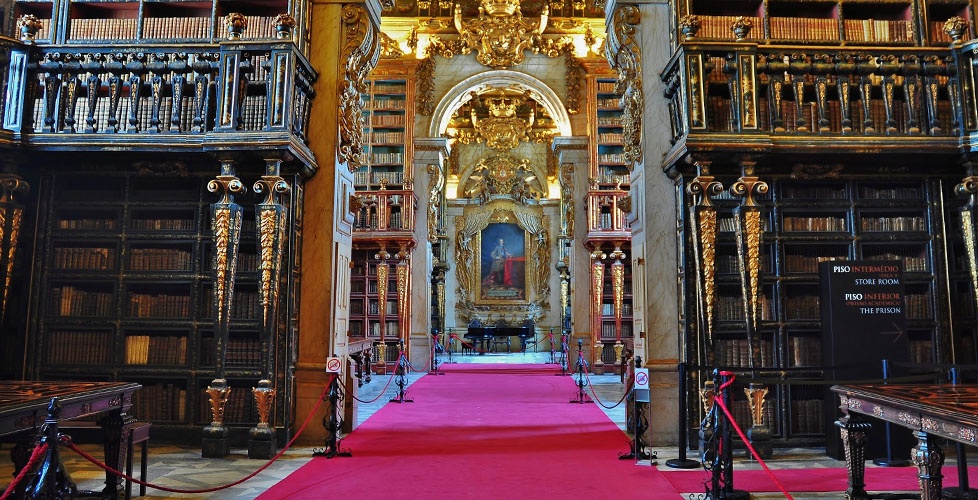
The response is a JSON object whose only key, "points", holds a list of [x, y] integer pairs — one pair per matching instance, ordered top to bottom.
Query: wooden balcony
{"points": [[234, 96], [745, 98], [385, 215], [607, 216]]}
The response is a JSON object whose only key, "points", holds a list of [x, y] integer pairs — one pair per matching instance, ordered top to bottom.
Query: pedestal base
{"points": [[760, 439], [214, 443], [261, 443], [733, 495]]}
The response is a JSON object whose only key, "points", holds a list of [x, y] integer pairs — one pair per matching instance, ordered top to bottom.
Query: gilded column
{"points": [[968, 189], [226, 217], [271, 217], [11, 218], [749, 232], [703, 238], [383, 274], [403, 275], [597, 289], [617, 296]]}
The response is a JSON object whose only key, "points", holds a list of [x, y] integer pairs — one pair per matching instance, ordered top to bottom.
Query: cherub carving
{"points": [[499, 34]]}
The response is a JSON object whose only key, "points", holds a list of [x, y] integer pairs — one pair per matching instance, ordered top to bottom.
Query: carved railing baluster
{"points": [[822, 66], [116, 67], [799, 67], [845, 67], [136, 68], [157, 68], [93, 85], [72, 86], [52, 89], [911, 91]]}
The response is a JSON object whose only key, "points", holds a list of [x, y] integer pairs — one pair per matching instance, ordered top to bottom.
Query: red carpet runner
{"points": [[482, 432]]}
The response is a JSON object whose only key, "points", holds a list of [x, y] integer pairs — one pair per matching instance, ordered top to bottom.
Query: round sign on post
{"points": [[333, 365], [642, 378]]}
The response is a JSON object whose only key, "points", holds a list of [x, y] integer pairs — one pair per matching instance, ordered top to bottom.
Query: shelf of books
{"points": [[126, 21], [852, 22], [389, 147], [610, 169], [809, 222], [127, 292], [366, 321], [609, 326]]}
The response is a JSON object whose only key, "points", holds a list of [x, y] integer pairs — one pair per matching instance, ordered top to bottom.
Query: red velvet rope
{"points": [[382, 391], [595, 396], [718, 400], [73, 447], [35, 458]]}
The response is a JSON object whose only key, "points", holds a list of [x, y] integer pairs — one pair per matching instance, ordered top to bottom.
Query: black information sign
{"points": [[864, 320]]}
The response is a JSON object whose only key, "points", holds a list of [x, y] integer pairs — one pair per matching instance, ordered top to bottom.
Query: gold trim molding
{"points": [[361, 52]]}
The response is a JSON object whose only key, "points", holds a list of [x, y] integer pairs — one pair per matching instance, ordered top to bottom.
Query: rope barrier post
{"points": [[452, 337], [553, 348], [434, 354], [563, 354], [581, 366], [400, 375], [333, 421], [639, 424], [682, 462], [51, 479], [722, 480]]}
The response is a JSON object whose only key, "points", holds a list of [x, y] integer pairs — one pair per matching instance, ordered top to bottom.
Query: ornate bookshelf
{"points": [[826, 22], [389, 115], [609, 149], [126, 294], [367, 321]]}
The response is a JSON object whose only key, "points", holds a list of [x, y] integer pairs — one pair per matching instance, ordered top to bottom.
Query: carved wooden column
{"points": [[968, 189], [11, 217], [226, 217], [271, 218], [749, 232], [703, 238], [383, 274], [403, 274], [597, 289], [617, 297]]}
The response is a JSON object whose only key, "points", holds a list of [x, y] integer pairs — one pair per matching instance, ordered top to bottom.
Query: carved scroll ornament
{"points": [[361, 53]]}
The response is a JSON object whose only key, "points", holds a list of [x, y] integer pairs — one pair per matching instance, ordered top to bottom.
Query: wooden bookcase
{"points": [[130, 21], [831, 22], [389, 115], [609, 149], [808, 222], [125, 293], [365, 304], [608, 334]]}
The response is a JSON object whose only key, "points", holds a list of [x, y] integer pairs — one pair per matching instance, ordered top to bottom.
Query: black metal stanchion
{"points": [[452, 337], [553, 348], [563, 354], [434, 355], [581, 366], [400, 377], [333, 422], [639, 423], [888, 460], [682, 462], [51, 479], [721, 485]]}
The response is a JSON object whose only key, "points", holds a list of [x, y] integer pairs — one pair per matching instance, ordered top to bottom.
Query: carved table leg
{"points": [[117, 429], [855, 434], [929, 458]]}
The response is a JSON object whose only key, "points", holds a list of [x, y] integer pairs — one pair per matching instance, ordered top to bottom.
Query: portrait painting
{"points": [[503, 262]]}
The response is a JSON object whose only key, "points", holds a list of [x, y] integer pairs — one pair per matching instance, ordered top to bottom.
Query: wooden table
{"points": [[24, 407], [929, 410]]}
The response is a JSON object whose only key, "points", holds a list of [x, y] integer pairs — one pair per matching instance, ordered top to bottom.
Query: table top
{"points": [[24, 404], [946, 410]]}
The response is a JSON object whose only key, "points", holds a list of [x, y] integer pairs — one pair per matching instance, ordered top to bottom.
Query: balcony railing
{"points": [[146, 97], [795, 97], [390, 211], [606, 214]]}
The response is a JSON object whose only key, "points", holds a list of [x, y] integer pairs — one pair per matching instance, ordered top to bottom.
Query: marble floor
{"points": [[181, 467]]}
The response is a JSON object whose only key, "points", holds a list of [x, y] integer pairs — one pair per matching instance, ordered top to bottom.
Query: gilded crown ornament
{"points": [[236, 24], [284, 25], [689, 26], [955, 28], [499, 35]]}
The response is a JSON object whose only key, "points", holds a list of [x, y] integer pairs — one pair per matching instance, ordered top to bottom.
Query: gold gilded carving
{"points": [[236, 24], [689, 26], [741, 27], [955, 27], [499, 35], [389, 48], [361, 52], [624, 54], [573, 77], [695, 78], [748, 92], [425, 99], [502, 130], [503, 176], [436, 184], [969, 188], [567, 199], [11, 219], [272, 220], [226, 232], [703, 232], [748, 234], [464, 258], [541, 258], [403, 272], [597, 287], [707, 394], [264, 397], [218, 398], [755, 398]]}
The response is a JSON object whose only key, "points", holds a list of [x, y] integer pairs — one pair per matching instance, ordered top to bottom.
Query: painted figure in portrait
{"points": [[503, 262]]}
